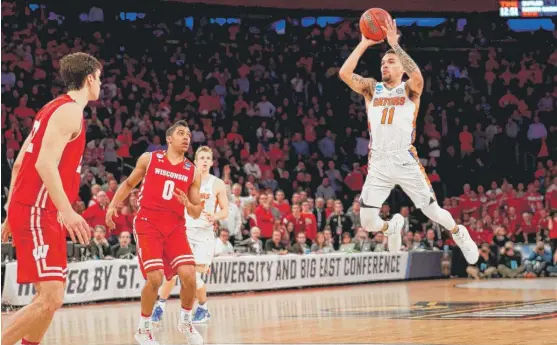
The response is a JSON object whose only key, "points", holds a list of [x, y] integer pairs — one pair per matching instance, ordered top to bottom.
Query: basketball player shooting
{"points": [[392, 107], [45, 182], [159, 227], [201, 234]]}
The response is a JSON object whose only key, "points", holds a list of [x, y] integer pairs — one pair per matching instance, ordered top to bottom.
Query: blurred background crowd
{"points": [[289, 138]]}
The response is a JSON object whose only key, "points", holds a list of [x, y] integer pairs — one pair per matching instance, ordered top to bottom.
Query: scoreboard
{"points": [[528, 8]]}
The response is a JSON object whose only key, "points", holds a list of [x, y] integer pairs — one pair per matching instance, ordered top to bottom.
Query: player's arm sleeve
{"points": [[415, 82], [62, 125], [133, 180], [222, 200]]}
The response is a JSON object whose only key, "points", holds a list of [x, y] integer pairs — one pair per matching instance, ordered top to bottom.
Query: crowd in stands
{"points": [[290, 139]]}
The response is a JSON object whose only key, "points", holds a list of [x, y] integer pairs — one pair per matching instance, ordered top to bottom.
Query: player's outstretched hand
{"points": [[391, 32], [368, 43], [181, 196], [110, 214], [210, 217], [77, 227], [6, 231]]}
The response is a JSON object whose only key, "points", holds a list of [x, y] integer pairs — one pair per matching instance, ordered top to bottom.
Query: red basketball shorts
{"points": [[40, 243], [162, 244]]}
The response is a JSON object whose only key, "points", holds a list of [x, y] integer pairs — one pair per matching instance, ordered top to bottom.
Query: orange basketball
{"points": [[371, 22]]}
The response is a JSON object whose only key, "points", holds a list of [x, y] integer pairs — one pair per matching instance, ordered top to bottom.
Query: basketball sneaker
{"points": [[394, 238], [467, 245], [157, 313], [201, 315], [192, 335], [145, 337]]}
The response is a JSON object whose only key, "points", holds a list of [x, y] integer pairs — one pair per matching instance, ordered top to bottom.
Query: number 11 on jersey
{"points": [[391, 112]]}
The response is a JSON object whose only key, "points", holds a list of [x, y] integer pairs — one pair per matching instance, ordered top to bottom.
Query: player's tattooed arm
{"points": [[408, 64], [415, 82], [361, 85]]}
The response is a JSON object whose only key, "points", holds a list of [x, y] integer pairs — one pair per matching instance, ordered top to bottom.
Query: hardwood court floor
{"points": [[426, 312]]}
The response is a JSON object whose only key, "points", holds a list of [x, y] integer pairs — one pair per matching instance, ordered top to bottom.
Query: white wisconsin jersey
{"points": [[391, 119], [209, 201]]}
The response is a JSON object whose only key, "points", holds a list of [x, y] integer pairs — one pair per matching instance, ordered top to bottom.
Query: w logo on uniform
{"points": [[40, 252]]}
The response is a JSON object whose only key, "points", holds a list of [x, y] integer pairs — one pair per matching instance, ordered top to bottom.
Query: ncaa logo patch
{"points": [[379, 88], [400, 91], [160, 155], [187, 165]]}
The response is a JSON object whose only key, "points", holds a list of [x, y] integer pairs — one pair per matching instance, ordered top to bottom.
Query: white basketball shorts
{"points": [[387, 169], [202, 243]]}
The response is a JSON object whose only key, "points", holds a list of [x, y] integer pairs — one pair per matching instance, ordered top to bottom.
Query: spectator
{"points": [[265, 108], [251, 168], [325, 190], [96, 214], [320, 214], [354, 215], [264, 217], [310, 221], [233, 223], [339, 223], [362, 240], [379, 243], [429, 243], [253, 244], [274, 244], [321, 245], [346, 245], [223, 246], [99, 247], [300, 247], [124, 249], [538, 260], [510, 263], [486, 267]]}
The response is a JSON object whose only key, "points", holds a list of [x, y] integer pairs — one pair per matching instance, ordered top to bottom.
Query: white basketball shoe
{"points": [[394, 238], [467, 245], [192, 335], [145, 337]]}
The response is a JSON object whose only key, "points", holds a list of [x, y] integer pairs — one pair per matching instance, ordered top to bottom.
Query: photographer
{"points": [[538, 261], [510, 262], [486, 267]]}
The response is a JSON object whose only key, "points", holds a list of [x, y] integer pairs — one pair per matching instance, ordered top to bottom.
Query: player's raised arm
{"points": [[415, 82], [361, 85], [62, 125], [126, 187], [222, 200]]}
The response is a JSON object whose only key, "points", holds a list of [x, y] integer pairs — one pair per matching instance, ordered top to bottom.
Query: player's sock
{"points": [[161, 303], [202, 306], [185, 314], [144, 322], [26, 342]]}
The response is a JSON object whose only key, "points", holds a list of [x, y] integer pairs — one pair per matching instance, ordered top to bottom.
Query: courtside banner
{"points": [[97, 280]]}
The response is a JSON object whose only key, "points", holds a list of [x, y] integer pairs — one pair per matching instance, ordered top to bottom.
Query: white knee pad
{"points": [[439, 215], [370, 220], [198, 281]]}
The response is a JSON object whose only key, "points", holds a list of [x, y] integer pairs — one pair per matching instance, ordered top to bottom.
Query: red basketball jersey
{"points": [[160, 181], [29, 188]]}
